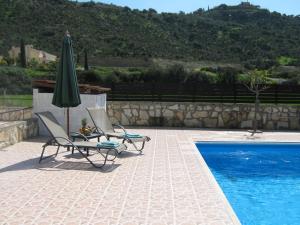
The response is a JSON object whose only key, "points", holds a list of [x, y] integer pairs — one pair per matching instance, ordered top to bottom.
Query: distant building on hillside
{"points": [[248, 4], [32, 54]]}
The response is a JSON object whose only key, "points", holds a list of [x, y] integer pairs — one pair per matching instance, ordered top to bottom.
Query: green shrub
{"points": [[286, 61], [3, 62], [36, 73], [175, 73], [227, 75], [89, 76], [201, 77], [15, 80]]}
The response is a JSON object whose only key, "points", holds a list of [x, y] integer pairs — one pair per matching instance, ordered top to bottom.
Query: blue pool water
{"points": [[261, 181]]}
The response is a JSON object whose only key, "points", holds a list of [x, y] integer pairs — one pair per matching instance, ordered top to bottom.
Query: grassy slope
{"points": [[16, 100]]}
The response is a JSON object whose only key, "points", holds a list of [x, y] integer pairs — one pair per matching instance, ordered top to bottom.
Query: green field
{"points": [[16, 100]]}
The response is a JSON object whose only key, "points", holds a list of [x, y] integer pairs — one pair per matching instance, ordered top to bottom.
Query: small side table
{"points": [[89, 137]]}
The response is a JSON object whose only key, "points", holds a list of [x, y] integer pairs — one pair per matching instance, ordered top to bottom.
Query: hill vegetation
{"points": [[243, 34], [213, 46]]}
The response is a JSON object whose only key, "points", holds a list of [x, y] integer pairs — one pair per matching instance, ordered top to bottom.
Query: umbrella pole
{"points": [[68, 121]]}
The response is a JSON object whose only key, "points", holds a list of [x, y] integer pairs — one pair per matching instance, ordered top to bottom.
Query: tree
{"points": [[22, 54], [78, 58], [86, 64], [256, 81]]}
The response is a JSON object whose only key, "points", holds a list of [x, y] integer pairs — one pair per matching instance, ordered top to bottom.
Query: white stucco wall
{"points": [[43, 102]]}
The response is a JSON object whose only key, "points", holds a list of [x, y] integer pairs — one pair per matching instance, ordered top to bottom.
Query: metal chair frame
{"points": [[53, 141]]}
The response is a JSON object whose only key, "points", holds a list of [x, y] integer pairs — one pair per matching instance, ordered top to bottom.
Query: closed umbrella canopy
{"points": [[66, 92]]}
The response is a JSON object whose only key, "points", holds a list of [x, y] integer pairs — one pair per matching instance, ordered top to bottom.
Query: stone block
{"points": [[126, 106], [134, 106], [144, 107], [174, 107], [182, 107], [199, 108], [207, 108], [236, 108], [218, 109], [267, 109], [293, 109], [110, 112], [127, 112], [135, 112], [151, 113], [158, 113], [168, 113], [200, 114], [214, 114], [118, 115], [144, 115], [188, 115], [251, 115], [179, 116], [227, 116], [275, 116], [114, 120], [124, 120], [142, 122], [220, 122], [192, 123], [210, 123], [294, 123], [247, 124], [270, 125], [282, 125]]}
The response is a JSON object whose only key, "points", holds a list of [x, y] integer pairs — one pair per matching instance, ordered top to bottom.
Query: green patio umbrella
{"points": [[66, 92]]}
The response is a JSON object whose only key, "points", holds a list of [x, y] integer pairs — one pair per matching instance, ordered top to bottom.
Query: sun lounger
{"points": [[104, 126], [59, 138]]}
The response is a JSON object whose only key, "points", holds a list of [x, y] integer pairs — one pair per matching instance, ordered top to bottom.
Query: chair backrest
{"points": [[100, 119], [54, 128]]}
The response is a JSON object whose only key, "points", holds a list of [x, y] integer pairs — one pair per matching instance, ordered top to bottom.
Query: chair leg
{"points": [[44, 148], [139, 149], [57, 151], [41, 157], [105, 158]]}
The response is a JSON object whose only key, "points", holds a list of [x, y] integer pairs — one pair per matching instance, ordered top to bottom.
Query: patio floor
{"points": [[169, 184]]}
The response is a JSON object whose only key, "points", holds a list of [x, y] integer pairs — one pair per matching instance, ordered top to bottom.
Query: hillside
{"points": [[238, 34]]}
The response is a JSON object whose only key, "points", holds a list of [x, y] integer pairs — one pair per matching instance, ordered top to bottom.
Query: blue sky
{"points": [[290, 7]]}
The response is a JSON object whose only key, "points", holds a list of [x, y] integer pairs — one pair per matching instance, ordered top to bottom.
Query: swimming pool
{"points": [[261, 181]]}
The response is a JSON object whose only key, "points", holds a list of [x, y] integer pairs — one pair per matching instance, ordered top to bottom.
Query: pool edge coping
{"points": [[212, 180]]}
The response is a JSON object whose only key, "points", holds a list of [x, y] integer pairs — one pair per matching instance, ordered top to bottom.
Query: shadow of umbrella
{"points": [[66, 92]]}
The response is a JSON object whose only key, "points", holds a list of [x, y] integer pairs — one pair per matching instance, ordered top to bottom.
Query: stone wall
{"points": [[15, 113], [203, 115], [17, 131]]}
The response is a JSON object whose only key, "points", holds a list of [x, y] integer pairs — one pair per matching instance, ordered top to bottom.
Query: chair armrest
{"points": [[120, 127], [100, 131], [81, 135], [55, 139]]}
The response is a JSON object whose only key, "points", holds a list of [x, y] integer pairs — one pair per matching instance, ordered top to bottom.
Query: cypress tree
{"points": [[22, 54], [78, 58], [86, 64]]}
